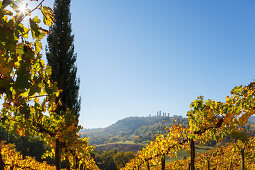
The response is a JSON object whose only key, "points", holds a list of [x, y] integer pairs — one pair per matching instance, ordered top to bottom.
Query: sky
{"points": [[136, 57]]}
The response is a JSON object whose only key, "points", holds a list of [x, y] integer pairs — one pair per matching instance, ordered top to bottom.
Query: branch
{"points": [[37, 6], [39, 96], [218, 124], [41, 129]]}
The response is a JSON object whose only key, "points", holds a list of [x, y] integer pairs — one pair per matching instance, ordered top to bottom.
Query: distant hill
{"points": [[252, 119], [128, 125], [135, 129]]}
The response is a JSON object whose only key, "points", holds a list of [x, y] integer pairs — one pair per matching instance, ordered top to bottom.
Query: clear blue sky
{"points": [[139, 56]]}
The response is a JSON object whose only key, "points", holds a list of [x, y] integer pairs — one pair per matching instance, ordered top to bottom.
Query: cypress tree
{"points": [[61, 57]]}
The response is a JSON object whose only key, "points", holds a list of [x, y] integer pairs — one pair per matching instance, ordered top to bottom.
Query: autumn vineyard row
{"points": [[208, 121], [224, 157]]}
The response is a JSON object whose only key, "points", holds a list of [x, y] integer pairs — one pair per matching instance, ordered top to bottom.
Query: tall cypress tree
{"points": [[61, 57]]}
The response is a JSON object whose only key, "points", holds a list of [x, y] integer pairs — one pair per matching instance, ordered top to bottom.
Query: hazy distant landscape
{"points": [[133, 133]]}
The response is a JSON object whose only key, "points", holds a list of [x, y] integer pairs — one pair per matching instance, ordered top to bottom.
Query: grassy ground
{"points": [[120, 142], [182, 154]]}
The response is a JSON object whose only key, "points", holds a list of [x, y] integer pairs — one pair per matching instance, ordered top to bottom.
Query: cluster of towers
{"points": [[162, 114]]}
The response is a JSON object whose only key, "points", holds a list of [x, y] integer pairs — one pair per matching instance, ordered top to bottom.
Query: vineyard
{"points": [[208, 120], [228, 157], [14, 160]]}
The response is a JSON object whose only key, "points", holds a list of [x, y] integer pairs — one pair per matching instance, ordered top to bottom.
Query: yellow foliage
{"points": [[14, 159]]}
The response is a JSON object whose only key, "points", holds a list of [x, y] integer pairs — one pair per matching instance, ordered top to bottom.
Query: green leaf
{"points": [[47, 15], [36, 20], [35, 27], [22, 30], [38, 46], [20, 49], [48, 70], [25, 94]]}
